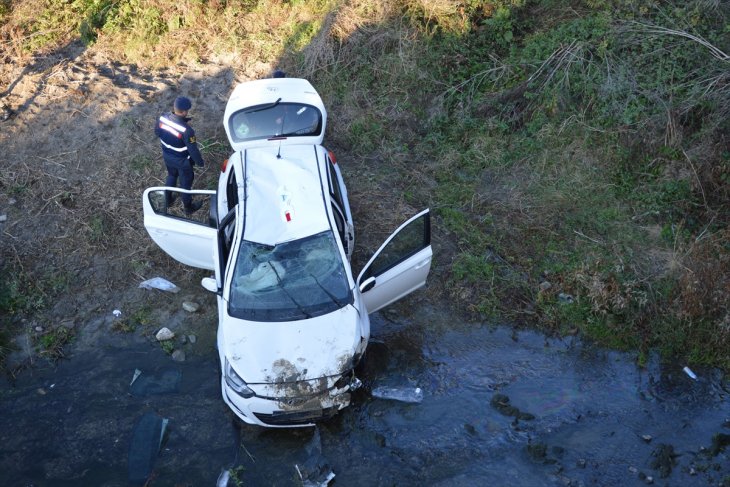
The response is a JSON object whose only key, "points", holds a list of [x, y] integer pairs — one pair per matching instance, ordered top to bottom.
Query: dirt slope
{"points": [[78, 150]]}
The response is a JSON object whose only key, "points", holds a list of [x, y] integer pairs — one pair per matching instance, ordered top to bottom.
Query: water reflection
{"points": [[598, 419]]}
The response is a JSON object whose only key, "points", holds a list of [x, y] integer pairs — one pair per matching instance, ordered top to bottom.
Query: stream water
{"points": [[499, 408]]}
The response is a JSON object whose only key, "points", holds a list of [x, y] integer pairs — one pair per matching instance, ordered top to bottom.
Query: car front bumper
{"points": [[286, 412]]}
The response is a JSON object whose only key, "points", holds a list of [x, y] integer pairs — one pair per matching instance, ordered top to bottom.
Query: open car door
{"points": [[187, 239], [400, 266]]}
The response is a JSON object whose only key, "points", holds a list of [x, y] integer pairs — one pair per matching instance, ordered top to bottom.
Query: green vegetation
{"points": [[578, 143], [139, 317], [51, 342], [168, 346], [236, 475]]}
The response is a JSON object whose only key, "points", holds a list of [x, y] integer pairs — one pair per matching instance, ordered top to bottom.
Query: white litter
{"points": [[159, 283], [117, 313], [137, 373], [690, 373], [399, 394], [223, 479]]}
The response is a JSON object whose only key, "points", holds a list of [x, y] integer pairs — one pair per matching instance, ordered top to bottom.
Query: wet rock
{"points": [[3, 218], [545, 285], [190, 306], [39, 329], [164, 334], [192, 338], [184, 339], [178, 356], [500, 402], [470, 429], [646, 438], [719, 442], [537, 451], [664, 459], [581, 463], [633, 470], [646, 478]]}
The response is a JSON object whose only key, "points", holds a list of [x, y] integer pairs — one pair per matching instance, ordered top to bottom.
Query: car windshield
{"points": [[275, 120], [291, 281]]}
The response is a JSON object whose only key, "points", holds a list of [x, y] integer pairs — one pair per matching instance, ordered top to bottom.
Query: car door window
{"points": [[334, 183], [232, 190], [340, 223], [226, 232], [407, 242]]}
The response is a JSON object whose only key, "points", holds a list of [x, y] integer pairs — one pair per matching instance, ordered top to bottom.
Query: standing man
{"points": [[179, 150]]}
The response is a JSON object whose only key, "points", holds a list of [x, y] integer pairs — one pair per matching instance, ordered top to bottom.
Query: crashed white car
{"points": [[293, 321]]}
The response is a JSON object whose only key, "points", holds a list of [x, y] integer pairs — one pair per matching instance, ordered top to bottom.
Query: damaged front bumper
{"points": [[294, 404]]}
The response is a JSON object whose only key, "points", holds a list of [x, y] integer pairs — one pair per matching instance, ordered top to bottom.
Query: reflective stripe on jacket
{"points": [[177, 140]]}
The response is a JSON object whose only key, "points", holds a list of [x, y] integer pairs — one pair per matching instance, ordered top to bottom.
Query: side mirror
{"points": [[209, 284], [367, 284]]}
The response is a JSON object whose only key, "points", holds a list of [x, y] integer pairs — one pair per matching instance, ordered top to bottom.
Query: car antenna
{"points": [[278, 155]]}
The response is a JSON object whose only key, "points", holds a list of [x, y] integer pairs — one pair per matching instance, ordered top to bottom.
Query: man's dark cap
{"points": [[279, 74], [183, 103]]}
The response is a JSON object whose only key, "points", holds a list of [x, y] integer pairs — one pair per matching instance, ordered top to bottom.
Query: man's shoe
{"points": [[195, 206]]}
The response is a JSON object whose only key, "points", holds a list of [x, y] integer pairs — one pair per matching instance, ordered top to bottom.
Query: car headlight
{"points": [[235, 382]]}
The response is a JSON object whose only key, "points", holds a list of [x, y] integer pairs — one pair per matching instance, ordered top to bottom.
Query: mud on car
{"points": [[278, 237]]}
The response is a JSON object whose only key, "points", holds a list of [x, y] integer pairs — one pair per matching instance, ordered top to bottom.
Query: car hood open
{"points": [[266, 353]]}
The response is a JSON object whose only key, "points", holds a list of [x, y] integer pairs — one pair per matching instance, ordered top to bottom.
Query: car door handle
{"points": [[423, 263]]}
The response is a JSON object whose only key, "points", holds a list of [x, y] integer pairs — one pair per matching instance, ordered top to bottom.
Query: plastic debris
{"points": [[159, 283], [565, 298], [117, 313], [137, 373], [690, 373], [164, 382], [355, 384], [399, 394], [146, 442], [315, 471], [223, 479], [309, 483]]}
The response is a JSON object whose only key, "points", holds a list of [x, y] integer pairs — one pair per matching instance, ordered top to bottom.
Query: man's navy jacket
{"points": [[177, 139]]}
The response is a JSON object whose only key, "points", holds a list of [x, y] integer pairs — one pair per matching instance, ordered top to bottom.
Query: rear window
{"points": [[275, 120]]}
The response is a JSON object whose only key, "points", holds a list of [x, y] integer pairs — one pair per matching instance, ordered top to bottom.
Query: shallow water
{"points": [[73, 423]]}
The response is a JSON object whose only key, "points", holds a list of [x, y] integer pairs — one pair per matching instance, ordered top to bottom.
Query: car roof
{"points": [[271, 90], [284, 193]]}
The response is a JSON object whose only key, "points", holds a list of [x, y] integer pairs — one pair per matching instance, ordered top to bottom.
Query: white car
{"points": [[293, 321]]}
